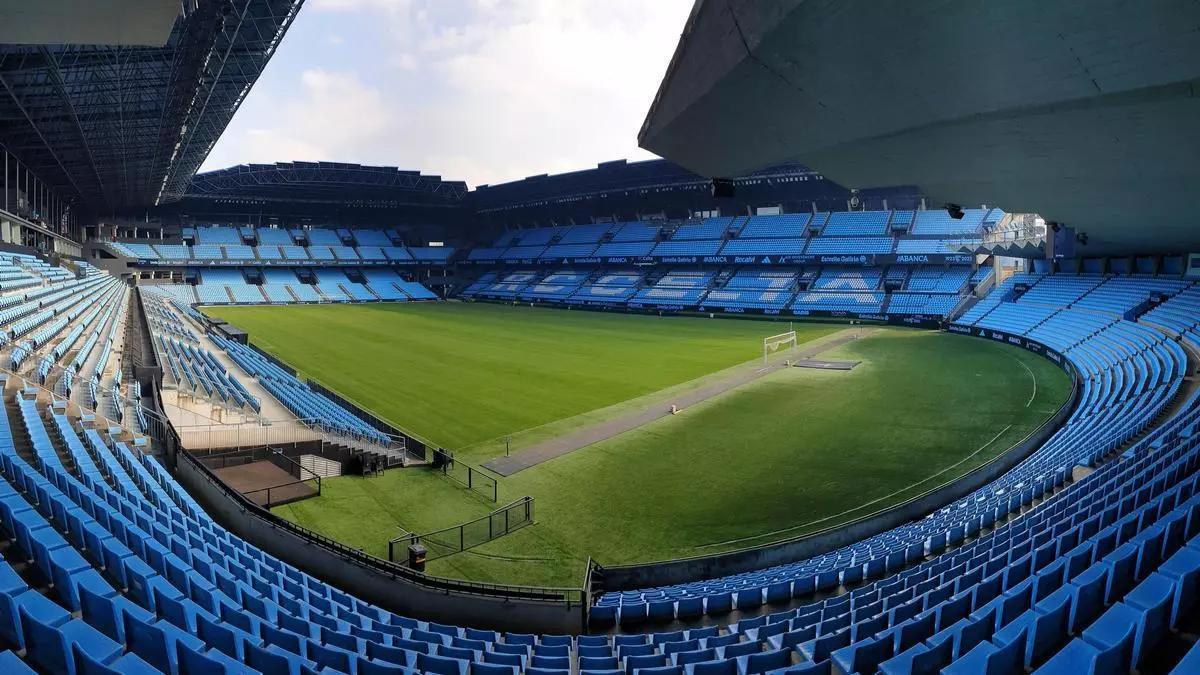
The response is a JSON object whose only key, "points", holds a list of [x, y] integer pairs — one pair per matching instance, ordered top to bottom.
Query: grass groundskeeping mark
{"points": [[793, 452]]}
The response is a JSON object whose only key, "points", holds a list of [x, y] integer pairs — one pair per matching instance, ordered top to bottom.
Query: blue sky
{"points": [[484, 91]]}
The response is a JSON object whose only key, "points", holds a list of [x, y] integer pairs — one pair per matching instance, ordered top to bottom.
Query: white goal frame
{"points": [[775, 343]]}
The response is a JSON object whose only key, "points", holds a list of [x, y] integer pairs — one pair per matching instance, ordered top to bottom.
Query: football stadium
{"points": [[885, 361]]}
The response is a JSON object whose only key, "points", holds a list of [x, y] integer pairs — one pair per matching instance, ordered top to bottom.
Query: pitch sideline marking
{"points": [[1032, 377], [858, 508]]}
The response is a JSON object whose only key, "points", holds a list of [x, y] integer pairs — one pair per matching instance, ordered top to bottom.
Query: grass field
{"points": [[460, 374], [793, 452]]}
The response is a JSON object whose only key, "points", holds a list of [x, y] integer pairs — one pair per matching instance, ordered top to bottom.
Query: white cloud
{"points": [[482, 90], [332, 115]]}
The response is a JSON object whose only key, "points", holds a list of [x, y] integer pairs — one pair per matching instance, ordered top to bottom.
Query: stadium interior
{"points": [[799, 398]]}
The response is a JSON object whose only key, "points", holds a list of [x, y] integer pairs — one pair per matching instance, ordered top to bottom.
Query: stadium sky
{"points": [[484, 91]]}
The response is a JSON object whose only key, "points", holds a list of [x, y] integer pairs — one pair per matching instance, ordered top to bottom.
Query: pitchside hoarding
{"points": [[854, 260], [1012, 339]]}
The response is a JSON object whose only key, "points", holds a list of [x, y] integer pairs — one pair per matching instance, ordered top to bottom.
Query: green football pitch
{"points": [[792, 452]]}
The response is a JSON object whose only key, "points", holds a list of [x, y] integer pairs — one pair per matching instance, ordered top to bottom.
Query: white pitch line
{"points": [[1032, 377], [859, 508]]}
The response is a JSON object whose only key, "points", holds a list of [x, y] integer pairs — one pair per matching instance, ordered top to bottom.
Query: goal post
{"points": [[776, 343]]}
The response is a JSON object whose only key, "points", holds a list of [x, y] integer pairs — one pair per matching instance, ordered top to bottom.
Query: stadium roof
{"points": [[128, 22], [1085, 113], [123, 127], [607, 178], [325, 182]]}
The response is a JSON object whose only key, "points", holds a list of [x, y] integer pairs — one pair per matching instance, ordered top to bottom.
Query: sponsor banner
{"points": [[927, 259], [843, 260], [187, 262], [740, 310], [915, 320], [1016, 340]]}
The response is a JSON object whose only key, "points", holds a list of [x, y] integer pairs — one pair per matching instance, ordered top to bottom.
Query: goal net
{"points": [[778, 343]]}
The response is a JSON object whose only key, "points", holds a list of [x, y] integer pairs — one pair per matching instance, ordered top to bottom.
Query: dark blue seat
{"points": [[1184, 568], [1151, 600], [634, 613], [1045, 627], [1111, 637], [697, 656], [864, 656], [1081, 656], [988, 658], [507, 659], [271, 660], [764, 661], [211, 662], [551, 662], [1190, 662], [11, 663], [87, 663], [598, 663], [635, 663], [439, 665], [366, 666], [717, 667], [478, 668]]}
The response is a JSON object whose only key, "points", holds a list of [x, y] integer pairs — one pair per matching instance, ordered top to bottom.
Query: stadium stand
{"points": [[939, 222], [856, 223], [794, 226], [635, 232], [274, 236], [850, 245], [776, 246], [1102, 568]]}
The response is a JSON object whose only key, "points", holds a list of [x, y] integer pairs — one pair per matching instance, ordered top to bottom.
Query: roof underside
{"points": [[124, 22], [1087, 113], [123, 127], [325, 182]]}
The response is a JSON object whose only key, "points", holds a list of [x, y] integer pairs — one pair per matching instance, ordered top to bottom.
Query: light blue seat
{"points": [[156, 642], [50, 644]]}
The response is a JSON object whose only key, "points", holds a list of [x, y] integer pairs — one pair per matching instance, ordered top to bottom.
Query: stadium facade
{"points": [[1077, 549]]}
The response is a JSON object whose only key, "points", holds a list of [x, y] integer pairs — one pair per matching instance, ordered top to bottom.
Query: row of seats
{"points": [[791, 225], [688, 246], [290, 252], [386, 286], [832, 290], [190, 365], [297, 396]]}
